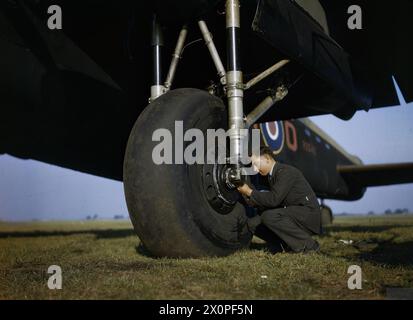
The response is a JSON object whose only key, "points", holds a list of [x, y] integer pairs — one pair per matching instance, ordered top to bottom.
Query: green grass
{"points": [[100, 260]]}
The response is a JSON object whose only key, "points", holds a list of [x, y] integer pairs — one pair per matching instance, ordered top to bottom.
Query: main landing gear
{"points": [[193, 210]]}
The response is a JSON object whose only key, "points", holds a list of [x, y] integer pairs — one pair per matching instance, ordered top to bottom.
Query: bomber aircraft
{"points": [[84, 84]]}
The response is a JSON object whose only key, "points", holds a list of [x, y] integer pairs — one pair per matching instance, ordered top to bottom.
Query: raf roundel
{"points": [[273, 134]]}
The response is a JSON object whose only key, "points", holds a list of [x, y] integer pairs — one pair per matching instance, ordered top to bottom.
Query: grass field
{"points": [[101, 260]]}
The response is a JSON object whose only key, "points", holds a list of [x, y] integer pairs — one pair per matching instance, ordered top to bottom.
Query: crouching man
{"points": [[289, 212]]}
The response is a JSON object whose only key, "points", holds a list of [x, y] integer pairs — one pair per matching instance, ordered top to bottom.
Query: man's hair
{"points": [[266, 152]]}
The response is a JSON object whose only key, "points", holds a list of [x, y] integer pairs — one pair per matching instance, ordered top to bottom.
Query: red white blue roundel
{"points": [[273, 134]]}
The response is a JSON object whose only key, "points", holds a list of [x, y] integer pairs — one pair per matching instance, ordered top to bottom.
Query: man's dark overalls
{"points": [[289, 211]]}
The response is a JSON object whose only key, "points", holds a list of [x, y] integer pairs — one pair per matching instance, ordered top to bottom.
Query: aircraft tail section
{"points": [[377, 175]]}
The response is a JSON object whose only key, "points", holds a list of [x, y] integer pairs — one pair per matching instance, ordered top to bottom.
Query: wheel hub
{"points": [[220, 195]]}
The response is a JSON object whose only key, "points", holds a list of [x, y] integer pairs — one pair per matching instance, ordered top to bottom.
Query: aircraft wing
{"points": [[383, 46], [356, 65], [61, 99], [377, 175]]}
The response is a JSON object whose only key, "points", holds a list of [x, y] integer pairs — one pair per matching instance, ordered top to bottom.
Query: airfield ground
{"points": [[102, 260]]}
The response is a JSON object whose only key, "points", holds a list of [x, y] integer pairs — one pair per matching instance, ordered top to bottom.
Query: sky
{"points": [[31, 190]]}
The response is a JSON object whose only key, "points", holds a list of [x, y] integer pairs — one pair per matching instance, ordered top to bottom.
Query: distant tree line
{"points": [[397, 211], [387, 212], [115, 217]]}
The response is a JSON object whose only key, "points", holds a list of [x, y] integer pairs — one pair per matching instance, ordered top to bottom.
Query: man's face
{"points": [[262, 164]]}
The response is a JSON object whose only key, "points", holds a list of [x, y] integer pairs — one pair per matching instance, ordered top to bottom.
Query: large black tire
{"points": [[167, 203]]}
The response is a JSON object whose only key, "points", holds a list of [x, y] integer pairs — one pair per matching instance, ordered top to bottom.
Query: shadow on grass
{"points": [[100, 234], [258, 246], [272, 248], [141, 249], [374, 250], [377, 250], [383, 253], [391, 254]]}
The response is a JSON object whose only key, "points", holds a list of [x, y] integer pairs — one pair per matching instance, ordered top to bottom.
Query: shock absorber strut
{"points": [[235, 85], [157, 88]]}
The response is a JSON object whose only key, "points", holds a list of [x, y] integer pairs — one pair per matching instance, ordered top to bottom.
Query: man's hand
{"points": [[245, 190]]}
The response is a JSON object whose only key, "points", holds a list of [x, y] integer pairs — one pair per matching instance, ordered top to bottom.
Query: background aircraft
{"points": [[71, 98]]}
